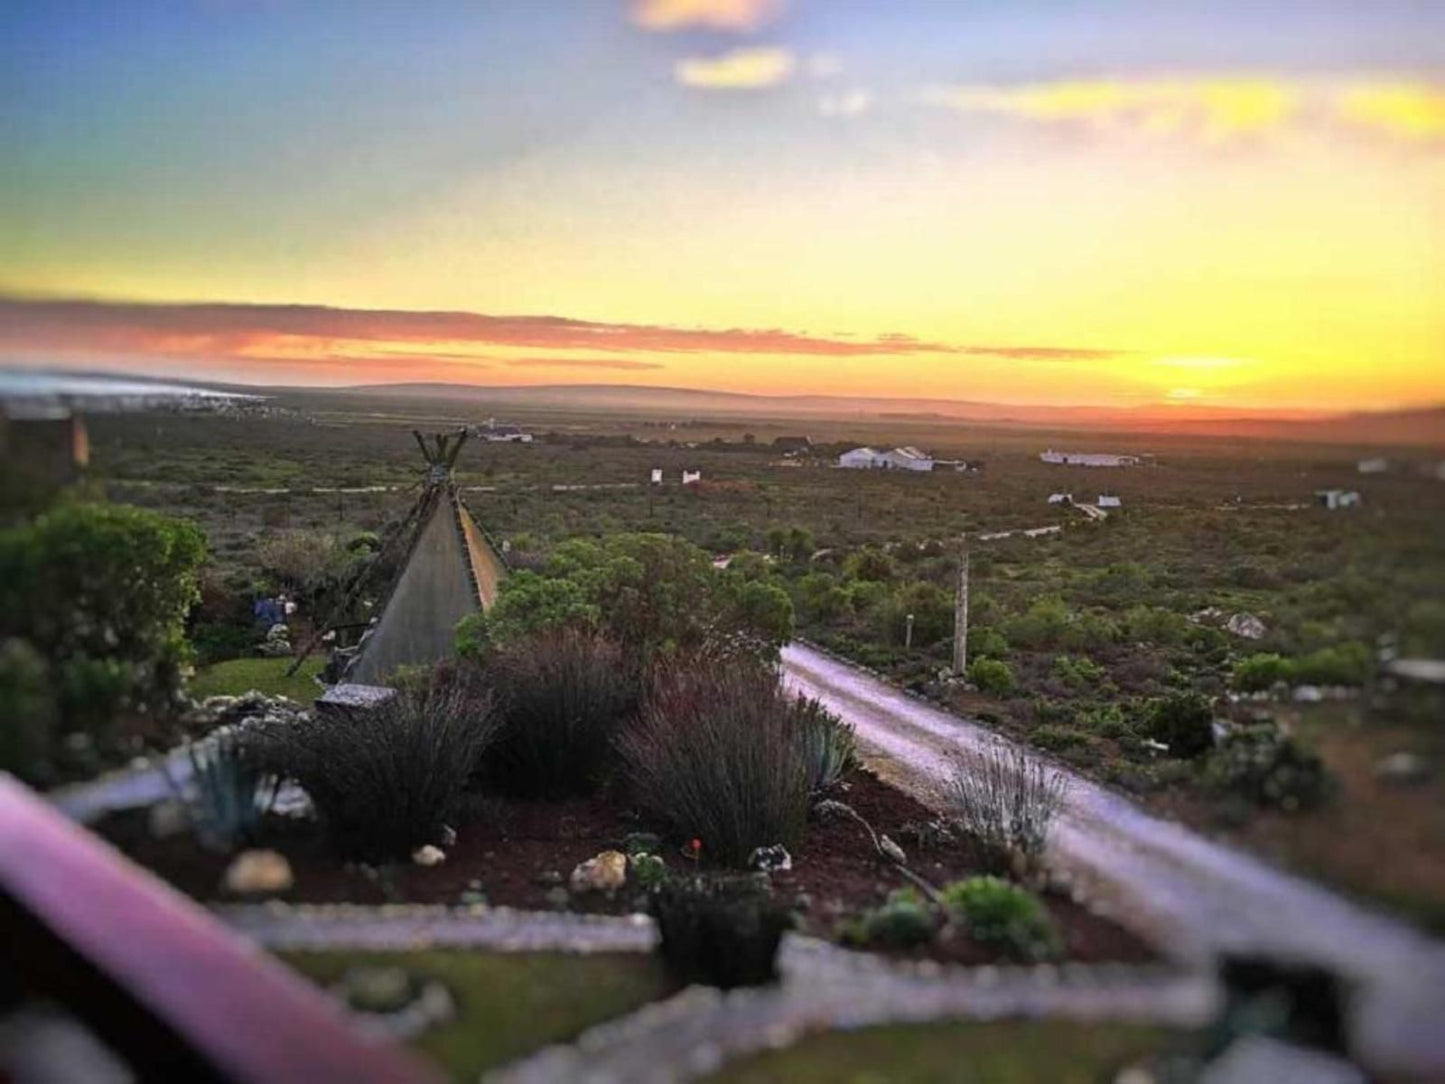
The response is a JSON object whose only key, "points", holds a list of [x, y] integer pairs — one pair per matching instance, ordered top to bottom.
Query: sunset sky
{"points": [[1232, 203]]}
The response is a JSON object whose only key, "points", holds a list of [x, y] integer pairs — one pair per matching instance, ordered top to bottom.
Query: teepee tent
{"points": [[448, 571]]}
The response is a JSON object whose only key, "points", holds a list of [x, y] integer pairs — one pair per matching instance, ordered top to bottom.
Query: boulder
{"points": [[1246, 626], [1402, 767], [428, 856], [772, 859], [258, 872], [606, 872], [377, 989], [1258, 1058]]}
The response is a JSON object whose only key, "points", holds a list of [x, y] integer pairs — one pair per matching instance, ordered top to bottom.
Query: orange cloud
{"points": [[737, 15], [740, 69]]}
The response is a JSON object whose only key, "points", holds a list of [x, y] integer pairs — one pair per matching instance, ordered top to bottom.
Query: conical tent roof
{"points": [[450, 571]]}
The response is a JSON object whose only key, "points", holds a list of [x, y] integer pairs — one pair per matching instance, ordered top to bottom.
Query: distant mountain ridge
{"points": [[1425, 426]]}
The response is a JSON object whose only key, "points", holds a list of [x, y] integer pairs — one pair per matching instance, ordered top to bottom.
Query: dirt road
{"points": [[1197, 897]]}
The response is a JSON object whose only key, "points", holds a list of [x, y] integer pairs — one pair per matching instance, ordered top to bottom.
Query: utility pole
{"points": [[960, 616]]}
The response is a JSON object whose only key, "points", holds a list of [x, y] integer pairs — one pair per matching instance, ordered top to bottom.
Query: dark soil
{"points": [[517, 854]]}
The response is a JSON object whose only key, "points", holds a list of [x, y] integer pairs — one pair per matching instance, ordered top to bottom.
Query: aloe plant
{"points": [[228, 793]]}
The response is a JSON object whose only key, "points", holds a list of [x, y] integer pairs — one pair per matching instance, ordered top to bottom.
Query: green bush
{"points": [[101, 592], [1155, 625], [987, 642], [1344, 664], [1077, 672], [1260, 672], [992, 676], [562, 696], [27, 713], [1105, 720], [1184, 722], [719, 754], [1269, 768], [387, 780], [1003, 916], [905, 921]]}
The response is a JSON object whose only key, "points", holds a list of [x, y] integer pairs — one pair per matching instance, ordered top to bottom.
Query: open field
{"points": [[1092, 622]]}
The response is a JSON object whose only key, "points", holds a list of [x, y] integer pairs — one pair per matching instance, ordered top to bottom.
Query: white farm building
{"points": [[907, 458], [1089, 459]]}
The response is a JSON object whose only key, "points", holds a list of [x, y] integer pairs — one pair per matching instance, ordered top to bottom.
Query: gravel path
{"points": [[1198, 898], [689, 1035]]}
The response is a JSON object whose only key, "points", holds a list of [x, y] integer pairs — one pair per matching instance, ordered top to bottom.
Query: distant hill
{"points": [[1418, 427]]}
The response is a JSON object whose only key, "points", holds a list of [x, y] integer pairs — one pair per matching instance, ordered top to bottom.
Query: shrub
{"points": [[301, 559], [101, 592], [1041, 625], [1155, 625], [987, 643], [1343, 664], [1077, 672], [1259, 672], [992, 676], [562, 695], [27, 713], [1105, 720], [1184, 722], [1056, 738], [830, 748], [718, 755], [1269, 768], [386, 781], [229, 792], [1006, 799], [1003, 916], [904, 922], [721, 932]]}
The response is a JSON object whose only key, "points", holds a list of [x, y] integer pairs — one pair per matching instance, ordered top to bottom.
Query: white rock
{"points": [[1246, 626], [1402, 767], [428, 856], [255, 872], [606, 872]]}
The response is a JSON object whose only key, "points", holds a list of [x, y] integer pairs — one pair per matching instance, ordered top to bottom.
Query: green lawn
{"points": [[236, 676], [509, 1004], [1010, 1052]]}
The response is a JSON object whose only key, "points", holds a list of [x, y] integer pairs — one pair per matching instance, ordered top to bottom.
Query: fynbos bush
{"points": [[561, 695], [1184, 722], [718, 754], [1269, 768], [385, 781], [229, 791], [1006, 800], [1003, 916]]}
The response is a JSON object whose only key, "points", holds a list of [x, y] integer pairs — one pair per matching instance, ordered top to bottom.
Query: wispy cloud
{"points": [[735, 15], [740, 69], [849, 103], [1215, 109], [239, 330], [624, 364]]}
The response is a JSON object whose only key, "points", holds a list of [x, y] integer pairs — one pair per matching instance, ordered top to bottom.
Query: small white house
{"points": [[504, 434], [864, 458], [907, 458], [1089, 459], [1374, 465], [657, 476], [691, 476], [1061, 498], [1335, 499], [1107, 500]]}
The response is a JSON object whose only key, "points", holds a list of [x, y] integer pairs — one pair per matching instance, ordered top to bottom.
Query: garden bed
{"points": [[519, 854]]}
